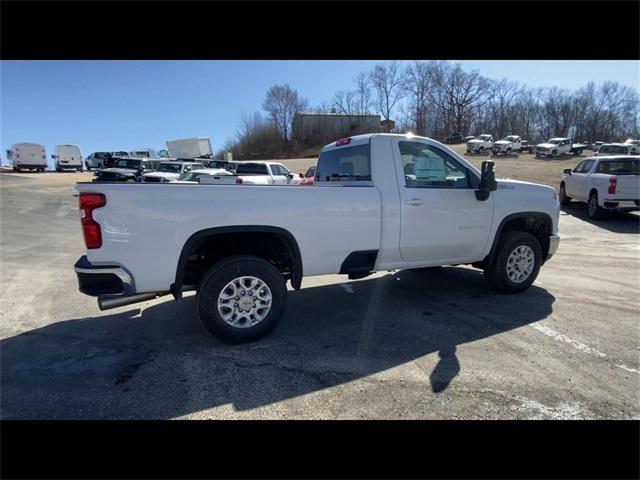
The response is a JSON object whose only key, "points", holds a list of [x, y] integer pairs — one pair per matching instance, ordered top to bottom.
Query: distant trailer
{"points": [[196, 147], [29, 156]]}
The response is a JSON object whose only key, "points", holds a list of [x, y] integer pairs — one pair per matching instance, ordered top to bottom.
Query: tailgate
{"points": [[628, 187]]}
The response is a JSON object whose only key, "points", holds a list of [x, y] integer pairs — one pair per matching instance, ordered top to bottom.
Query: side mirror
{"points": [[567, 171], [488, 182]]}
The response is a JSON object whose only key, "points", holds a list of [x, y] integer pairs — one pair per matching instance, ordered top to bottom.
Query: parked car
{"points": [[455, 138], [480, 143], [508, 145], [635, 145], [558, 146], [614, 149], [143, 153], [28, 156], [67, 157], [98, 160], [124, 170], [168, 171], [257, 173], [193, 176], [606, 183], [238, 246]]}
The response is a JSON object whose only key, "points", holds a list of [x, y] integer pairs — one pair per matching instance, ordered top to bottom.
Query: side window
{"points": [[347, 164], [587, 166], [428, 167], [579, 168], [277, 170]]}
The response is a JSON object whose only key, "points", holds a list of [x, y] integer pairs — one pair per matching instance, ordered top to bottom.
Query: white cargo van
{"points": [[29, 156], [67, 157]]}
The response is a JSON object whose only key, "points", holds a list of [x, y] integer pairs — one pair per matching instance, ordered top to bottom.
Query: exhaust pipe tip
{"points": [[107, 303]]}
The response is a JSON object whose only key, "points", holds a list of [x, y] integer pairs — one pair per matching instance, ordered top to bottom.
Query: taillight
{"points": [[343, 141], [239, 181], [613, 183], [90, 228]]}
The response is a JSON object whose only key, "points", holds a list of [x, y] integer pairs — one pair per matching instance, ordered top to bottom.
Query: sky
{"points": [[125, 105]]}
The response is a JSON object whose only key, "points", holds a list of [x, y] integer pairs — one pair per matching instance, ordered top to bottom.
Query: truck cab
{"points": [[169, 171]]}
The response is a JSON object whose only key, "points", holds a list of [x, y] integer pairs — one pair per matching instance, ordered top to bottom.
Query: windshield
{"points": [[614, 149], [130, 164], [169, 167], [191, 176]]}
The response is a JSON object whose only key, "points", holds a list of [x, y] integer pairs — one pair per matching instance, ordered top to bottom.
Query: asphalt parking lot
{"points": [[432, 344]]}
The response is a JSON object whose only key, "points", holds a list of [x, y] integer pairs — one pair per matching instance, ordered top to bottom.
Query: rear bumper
{"points": [[622, 204], [554, 242], [103, 280]]}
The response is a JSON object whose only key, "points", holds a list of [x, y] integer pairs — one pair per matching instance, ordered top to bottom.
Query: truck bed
{"points": [[143, 223]]}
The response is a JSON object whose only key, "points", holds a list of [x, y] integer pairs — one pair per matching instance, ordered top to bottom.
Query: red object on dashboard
{"points": [[343, 141], [307, 181]]}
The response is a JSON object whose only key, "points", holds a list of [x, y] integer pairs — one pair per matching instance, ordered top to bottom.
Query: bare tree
{"points": [[387, 82], [419, 84], [363, 93], [282, 103]]}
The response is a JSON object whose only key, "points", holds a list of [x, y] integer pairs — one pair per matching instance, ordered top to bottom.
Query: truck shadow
{"points": [[615, 222], [161, 364]]}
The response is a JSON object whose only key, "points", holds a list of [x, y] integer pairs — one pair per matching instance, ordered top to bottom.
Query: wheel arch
{"points": [[524, 221], [198, 238]]}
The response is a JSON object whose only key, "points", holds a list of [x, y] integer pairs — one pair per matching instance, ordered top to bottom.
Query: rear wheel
{"points": [[564, 199], [593, 209], [516, 264], [241, 299]]}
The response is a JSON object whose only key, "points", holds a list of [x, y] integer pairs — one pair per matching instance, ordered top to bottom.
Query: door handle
{"points": [[414, 201]]}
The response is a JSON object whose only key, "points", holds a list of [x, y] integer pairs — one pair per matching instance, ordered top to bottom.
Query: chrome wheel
{"points": [[520, 264], [244, 302]]}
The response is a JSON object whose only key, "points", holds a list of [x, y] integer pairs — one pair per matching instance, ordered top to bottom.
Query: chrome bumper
{"points": [[554, 242], [101, 280]]}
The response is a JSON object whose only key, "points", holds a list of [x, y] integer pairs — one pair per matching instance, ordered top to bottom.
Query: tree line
{"points": [[436, 99]]}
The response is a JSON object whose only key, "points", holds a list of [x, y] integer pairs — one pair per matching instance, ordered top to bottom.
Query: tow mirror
{"points": [[567, 171], [488, 182]]}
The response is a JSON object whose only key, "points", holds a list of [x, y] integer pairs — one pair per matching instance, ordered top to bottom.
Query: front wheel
{"points": [[564, 199], [516, 264], [241, 299]]}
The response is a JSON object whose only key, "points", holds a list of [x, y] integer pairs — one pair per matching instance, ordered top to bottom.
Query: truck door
{"points": [[279, 175], [576, 183], [440, 215]]}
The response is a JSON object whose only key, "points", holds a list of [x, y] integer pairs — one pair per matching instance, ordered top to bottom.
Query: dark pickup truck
{"points": [[124, 170]]}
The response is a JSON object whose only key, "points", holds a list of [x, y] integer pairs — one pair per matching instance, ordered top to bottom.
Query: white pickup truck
{"points": [[480, 144], [508, 145], [559, 146], [169, 171], [256, 173], [605, 183], [379, 202]]}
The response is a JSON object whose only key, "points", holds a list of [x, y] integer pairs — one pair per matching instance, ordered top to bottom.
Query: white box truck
{"points": [[196, 147], [29, 156], [67, 157]]}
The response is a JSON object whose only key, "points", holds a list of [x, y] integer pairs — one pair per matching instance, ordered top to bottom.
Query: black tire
{"points": [[554, 153], [564, 199], [593, 209], [496, 274], [219, 276]]}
